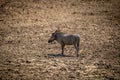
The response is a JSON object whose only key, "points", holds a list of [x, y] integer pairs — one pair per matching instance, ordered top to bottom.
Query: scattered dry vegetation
{"points": [[26, 25]]}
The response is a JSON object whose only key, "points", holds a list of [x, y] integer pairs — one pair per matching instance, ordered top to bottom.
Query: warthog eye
{"points": [[53, 34]]}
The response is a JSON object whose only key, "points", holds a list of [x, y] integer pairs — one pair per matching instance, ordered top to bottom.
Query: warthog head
{"points": [[52, 38]]}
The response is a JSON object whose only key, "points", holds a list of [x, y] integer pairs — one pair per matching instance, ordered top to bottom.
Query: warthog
{"points": [[65, 39]]}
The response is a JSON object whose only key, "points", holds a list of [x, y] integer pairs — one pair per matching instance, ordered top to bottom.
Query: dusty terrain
{"points": [[26, 25]]}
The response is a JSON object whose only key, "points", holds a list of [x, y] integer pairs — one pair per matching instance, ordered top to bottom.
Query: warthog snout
{"points": [[52, 38], [49, 41]]}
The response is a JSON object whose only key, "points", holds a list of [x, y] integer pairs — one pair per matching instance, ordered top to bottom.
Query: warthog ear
{"points": [[58, 30]]}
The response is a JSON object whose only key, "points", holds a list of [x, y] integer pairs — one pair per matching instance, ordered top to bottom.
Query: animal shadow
{"points": [[59, 55]]}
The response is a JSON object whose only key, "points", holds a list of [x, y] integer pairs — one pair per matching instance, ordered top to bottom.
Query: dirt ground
{"points": [[26, 25]]}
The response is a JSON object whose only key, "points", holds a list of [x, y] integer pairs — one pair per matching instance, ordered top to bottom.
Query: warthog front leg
{"points": [[62, 47]]}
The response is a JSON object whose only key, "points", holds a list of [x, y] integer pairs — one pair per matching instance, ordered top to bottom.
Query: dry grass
{"points": [[25, 27]]}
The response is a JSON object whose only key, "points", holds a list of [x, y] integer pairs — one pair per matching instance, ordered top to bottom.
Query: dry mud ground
{"points": [[26, 25]]}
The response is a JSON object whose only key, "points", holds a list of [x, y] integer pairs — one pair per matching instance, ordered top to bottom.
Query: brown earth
{"points": [[26, 25]]}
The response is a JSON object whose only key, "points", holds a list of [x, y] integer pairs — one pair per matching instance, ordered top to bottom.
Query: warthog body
{"points": [[65, 39]]}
